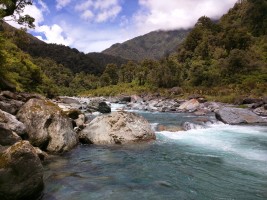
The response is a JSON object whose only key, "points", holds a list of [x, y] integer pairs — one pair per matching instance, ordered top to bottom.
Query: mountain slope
{"points": [[153, 45], [76, 61]]}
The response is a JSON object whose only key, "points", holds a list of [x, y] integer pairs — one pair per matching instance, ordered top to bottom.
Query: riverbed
{"points": [[212, 161]]}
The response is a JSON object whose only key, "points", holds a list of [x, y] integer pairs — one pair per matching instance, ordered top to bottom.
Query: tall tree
{"points": [[14, 9]]}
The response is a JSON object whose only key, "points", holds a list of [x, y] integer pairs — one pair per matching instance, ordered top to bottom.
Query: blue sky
{"points": [[94, 25]]}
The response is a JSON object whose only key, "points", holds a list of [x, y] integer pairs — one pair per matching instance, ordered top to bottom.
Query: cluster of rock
{"points": [[196, 104], [32, 127]]}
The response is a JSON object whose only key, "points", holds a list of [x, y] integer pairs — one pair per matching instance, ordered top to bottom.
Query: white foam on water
{"points": [[116, 106], [225, 139]]}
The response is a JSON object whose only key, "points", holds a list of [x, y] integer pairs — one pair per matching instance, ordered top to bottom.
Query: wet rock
{"points": [[98, 105], [190, 105], [103, 107], [237, 116], [10, 122], [47, 126], [117, 128], [8, 137], [21, 173]]}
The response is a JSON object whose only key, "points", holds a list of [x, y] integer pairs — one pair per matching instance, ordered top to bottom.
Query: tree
{"points": [[14, 9], [111, 70]]}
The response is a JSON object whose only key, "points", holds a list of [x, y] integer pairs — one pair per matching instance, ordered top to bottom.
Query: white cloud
{"points": [[62, 3], [43, 6], [84, 6], [99, 11], [108, 14], [172, 14], [87, 15], [54, 34]]}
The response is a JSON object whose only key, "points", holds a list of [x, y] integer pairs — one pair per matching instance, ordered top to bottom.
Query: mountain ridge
{"points": [[154, 45]]}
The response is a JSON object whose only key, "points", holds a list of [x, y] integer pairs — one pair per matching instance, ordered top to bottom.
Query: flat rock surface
{"points": [[238, 116]]}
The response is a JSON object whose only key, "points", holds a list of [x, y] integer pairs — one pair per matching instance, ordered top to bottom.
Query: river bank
{"points": [[60, 125]]}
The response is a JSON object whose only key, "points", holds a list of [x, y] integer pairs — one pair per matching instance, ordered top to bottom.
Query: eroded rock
{"points": [[47, 126], [117, 128], [21, 173]]}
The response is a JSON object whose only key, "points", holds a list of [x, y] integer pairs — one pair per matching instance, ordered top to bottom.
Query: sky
{"points": [[94, 25]]}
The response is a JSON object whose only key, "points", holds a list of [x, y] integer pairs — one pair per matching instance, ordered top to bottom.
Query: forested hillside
{"points": [[154, 45], [223, 58], [76, 61]]}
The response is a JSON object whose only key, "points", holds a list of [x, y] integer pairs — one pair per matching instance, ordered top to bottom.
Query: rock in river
{"points": [[190, 105], [237, 116], [10, 122], [47, 126], [117, 128], [21, 173]]}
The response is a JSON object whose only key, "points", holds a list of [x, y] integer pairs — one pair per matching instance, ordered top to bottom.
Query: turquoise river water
{"points": [[216, 162]]}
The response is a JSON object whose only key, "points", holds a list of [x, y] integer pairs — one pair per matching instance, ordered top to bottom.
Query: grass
{"points": [[225, 94]]}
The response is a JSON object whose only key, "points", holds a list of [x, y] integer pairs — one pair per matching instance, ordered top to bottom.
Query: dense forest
{"points": [[223, 58]]}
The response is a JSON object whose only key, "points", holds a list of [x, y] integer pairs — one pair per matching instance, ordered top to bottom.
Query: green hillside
{"points": [[154, 45], [223, 59]]}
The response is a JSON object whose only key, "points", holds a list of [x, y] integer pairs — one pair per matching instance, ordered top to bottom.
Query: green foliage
{"points": [[14, 9], [154, 45]]}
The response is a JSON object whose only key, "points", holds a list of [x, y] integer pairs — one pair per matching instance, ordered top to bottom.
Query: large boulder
{"points": [[190, 105], [237, 116], [10, 122], [47, 126], [117, 128], [21, 173]]}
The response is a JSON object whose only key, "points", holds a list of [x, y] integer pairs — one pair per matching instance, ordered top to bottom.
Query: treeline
{"points": [[229, 55]]}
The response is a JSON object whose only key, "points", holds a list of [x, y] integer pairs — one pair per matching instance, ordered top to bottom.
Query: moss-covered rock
{"points": [[47, 126], [21, 173]]}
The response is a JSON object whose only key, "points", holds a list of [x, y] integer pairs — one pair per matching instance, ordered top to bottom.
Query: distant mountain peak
{"points": [[153, 45]]}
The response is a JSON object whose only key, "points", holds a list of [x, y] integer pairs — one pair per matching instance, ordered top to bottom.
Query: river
{"points": [[214, 161]]}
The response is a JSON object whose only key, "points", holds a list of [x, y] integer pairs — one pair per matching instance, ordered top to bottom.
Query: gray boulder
{"points": [[98, 105], [11, 106], [237, 116], [10, 122], [47, 126], [117, 128], [8, 137], [21, 173]]}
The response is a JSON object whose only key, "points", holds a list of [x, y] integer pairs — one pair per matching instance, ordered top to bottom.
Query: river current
{"points": [[214, 161]]}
